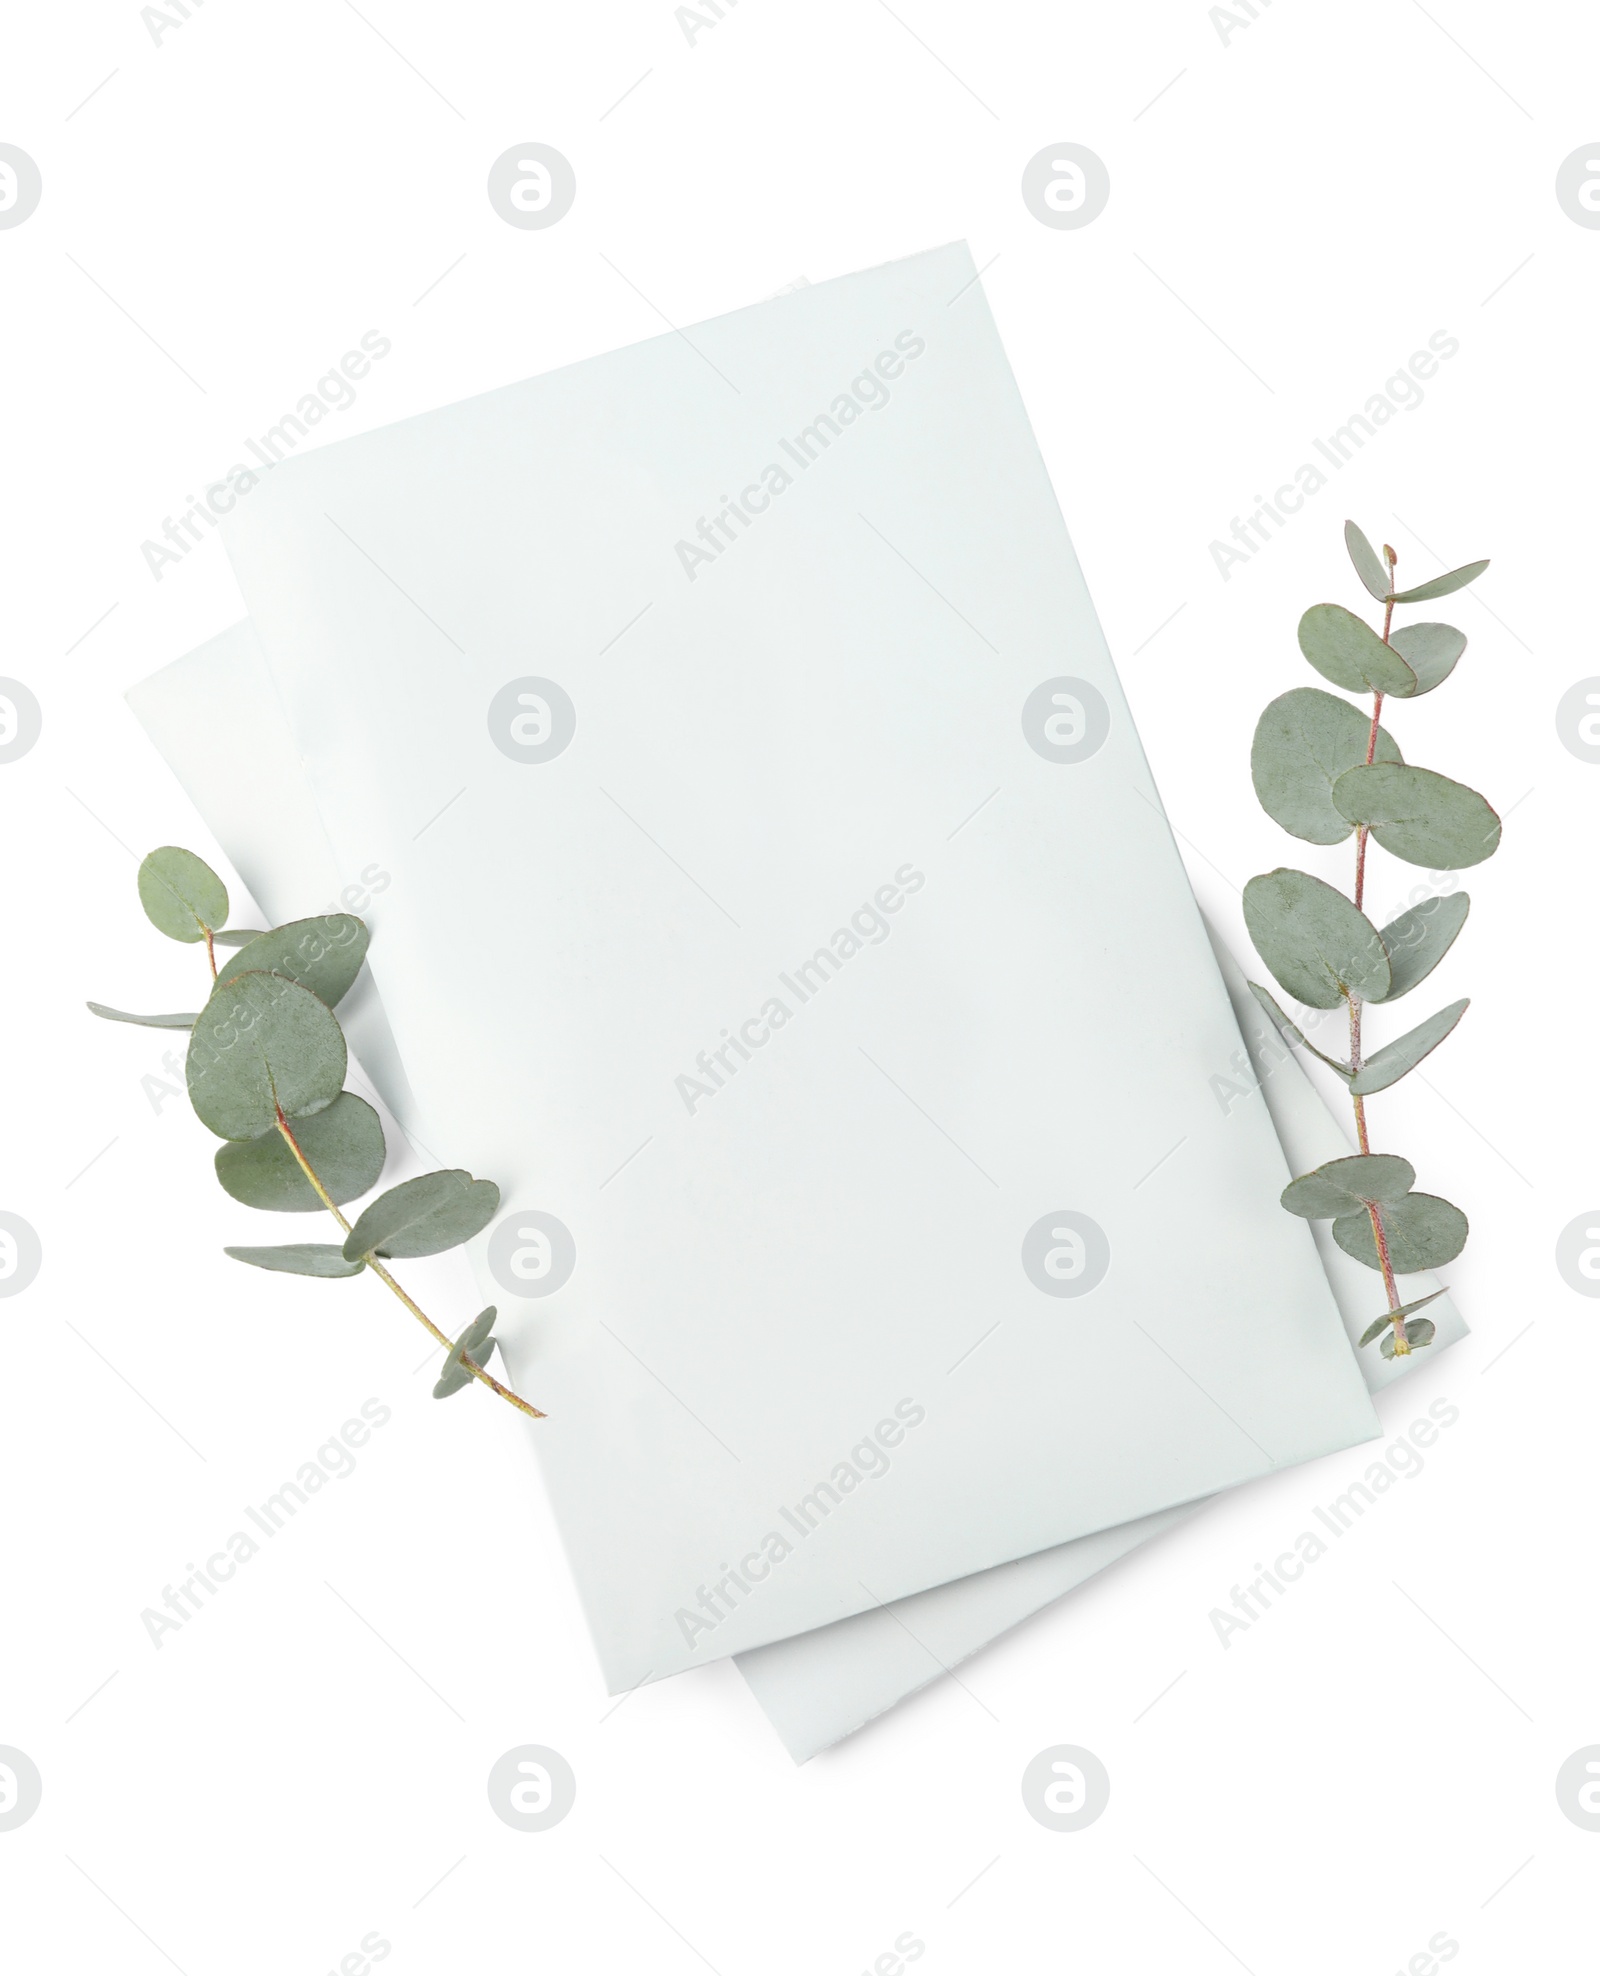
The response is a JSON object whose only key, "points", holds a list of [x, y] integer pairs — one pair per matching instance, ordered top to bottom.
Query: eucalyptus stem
{"points": [[383, 1275], [1402, 1345]]}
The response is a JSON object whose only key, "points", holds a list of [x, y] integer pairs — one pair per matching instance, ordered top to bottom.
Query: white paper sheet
{"points": [[766, 1409]]}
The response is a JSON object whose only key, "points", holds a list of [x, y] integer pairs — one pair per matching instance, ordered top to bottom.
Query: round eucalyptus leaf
{"points": [[1368, 566], [1441, 586], [1346, 649], [1431, 651], [1304, 741], [1422, 817], [181, 894], [1419, 939], [1315, 942], [323, 954], [144, 1021], [1293, 1033], [262, 1043], [1388, 1065], [344, 1145], [1344, 1186], [421, 1217], [1422, 1232], [300, 1259], [1381, 1324], [477, 1331], [1419, 1332], [471, 1344], [454, 1376]]}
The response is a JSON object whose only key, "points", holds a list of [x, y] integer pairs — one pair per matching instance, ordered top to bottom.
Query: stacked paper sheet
{"points": [[730, 723]]}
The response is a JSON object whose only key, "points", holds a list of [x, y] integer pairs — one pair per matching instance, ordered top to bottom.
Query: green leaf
{"points": [[1370, 570], [1441, 586], [1346, 649], [1431, 651], [1304, 741], [1424, 818], [181, 894], [235, 936], [1419, 939], [1315, 942], [323, 954], [145, 1021], [1296, 1034], [259, 1044], [1388, 1065], [344, 1145], [1345, 1186], [424, 1216], [1422, 1232], [300, 1259], [1382, 1324], [477, 1331], [1419, 1331], [474, 1343]]}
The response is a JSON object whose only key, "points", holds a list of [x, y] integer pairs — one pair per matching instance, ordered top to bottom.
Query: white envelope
{"points": [[214, 718], [782, 909]]}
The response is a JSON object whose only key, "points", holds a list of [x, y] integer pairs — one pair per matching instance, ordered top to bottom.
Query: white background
{"points": [[1373, 1761]]}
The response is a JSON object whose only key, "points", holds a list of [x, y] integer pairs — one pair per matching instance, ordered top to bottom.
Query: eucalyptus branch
{"points": [[1322, 768], [265, 1072], [378, 1270]]}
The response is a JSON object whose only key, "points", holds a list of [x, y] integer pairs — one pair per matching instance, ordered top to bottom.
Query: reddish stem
{"points": [[1372, 750], [1374, 1214], [1402, 1344]]}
